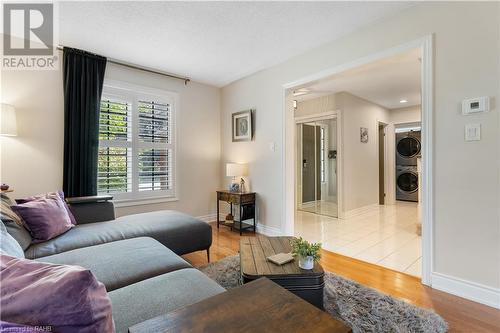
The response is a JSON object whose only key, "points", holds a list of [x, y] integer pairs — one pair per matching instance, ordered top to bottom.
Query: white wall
{"points": [[32, 162], [466, 229]]}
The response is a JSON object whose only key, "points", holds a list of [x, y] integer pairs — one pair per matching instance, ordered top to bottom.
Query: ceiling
{"points": [[212, 42], [385, 82]]}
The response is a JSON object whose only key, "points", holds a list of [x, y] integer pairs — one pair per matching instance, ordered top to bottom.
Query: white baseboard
{"points": [[359, 211], [211, 217], [261, 228], [268, 231], [470, 290]]}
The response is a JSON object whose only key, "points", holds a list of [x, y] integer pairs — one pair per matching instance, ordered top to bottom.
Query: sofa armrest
{"points": [[92, 209]]}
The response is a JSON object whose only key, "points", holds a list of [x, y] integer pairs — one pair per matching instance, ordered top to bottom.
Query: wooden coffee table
{"points": [[307, 284], [260, 306]]}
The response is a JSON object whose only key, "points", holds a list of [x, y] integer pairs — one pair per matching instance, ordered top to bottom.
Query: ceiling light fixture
{"points": [[403, 101]]}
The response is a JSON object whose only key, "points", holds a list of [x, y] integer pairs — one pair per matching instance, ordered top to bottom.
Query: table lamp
{"points": [[236, 170]]}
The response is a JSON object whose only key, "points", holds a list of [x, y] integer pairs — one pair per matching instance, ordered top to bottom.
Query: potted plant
{"points": [[308, 253]]}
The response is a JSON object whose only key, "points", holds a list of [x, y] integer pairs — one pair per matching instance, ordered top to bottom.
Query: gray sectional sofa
{"points": [[136, 257]]}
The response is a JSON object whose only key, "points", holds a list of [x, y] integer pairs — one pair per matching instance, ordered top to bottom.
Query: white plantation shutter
{"points": [[154, 122], [137, 144], [155, 171], [114, 174]]}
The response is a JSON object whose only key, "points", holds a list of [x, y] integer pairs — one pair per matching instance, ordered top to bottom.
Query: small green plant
{"points": [[301, 247]]}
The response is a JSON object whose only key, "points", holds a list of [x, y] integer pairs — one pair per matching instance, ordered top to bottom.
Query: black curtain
{"points": [[83, 81]]}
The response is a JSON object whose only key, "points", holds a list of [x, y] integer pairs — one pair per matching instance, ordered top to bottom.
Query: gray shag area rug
{"points": [[362, 308]]}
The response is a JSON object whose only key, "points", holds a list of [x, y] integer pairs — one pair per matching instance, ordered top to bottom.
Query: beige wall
{"points": [[411, 114], [32, 162], [466, 175], [361, 181]]}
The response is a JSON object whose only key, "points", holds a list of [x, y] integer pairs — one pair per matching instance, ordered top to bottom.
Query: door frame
{"points": [[426, 44], [336, 114], [386, 160]]}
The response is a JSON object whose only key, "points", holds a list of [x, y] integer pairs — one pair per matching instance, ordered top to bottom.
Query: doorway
{"points": [[426, 47], [317, 189]]}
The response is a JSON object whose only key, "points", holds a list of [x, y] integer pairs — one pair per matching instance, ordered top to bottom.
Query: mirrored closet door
{"points": [[317, 166]]}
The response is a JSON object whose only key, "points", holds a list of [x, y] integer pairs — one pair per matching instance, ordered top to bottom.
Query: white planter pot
{"points": [[306, 262]]}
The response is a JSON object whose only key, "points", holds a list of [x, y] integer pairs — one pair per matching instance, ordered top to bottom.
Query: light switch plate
{"points": [[472, 132]]}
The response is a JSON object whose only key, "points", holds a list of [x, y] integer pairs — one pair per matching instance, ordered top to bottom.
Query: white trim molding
{"points": [[142, 201], [210, 217], [261, 228], [268, 231], [470, 290]]}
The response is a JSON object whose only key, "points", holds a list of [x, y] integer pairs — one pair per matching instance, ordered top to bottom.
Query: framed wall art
{"points": [[242, 125], [364, 134]]}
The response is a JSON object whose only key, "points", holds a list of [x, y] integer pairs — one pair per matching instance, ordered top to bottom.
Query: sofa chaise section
{"points": [[179, 232], [121, 263], [159, 295]]}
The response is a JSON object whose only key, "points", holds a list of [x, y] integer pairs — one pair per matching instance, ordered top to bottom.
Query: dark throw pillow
{"points": [[49, 194], [45, 218], [66, 299]]}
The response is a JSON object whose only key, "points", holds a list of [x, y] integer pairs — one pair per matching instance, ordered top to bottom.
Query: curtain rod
{"points": [[141, 68]]}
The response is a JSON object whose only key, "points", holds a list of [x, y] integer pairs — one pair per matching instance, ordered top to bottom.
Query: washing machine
{"points": [[408, 147], [407, 183]]}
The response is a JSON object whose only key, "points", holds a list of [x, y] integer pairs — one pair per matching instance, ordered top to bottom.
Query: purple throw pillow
{"points": [[40, 196], [45, 218], [68, 299], [6, 327]]}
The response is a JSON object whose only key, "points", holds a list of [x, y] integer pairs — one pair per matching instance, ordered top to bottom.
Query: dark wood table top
{"points": [[237, 193], [255, 250], [259, 306]]}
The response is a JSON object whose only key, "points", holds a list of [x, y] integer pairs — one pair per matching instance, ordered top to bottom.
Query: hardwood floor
{"points": [[462, 315]]}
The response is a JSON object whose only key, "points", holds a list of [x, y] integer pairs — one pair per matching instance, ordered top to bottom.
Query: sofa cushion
{"points": [[13, 223], [179, 232], [19, 233], [8, 245], [118, 264], [156, 296]]}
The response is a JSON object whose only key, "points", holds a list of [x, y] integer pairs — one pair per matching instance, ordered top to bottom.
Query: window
{"points": [[136, 143]]}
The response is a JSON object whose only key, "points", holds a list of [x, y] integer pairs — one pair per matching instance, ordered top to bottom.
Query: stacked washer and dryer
{"points": [[408, 148]]}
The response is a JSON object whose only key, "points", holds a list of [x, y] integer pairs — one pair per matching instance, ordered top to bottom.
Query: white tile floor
{"points": [[384, 235]]}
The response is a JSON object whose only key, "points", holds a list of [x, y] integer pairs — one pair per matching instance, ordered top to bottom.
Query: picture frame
{"points": [[242, 126], [363, 134]]}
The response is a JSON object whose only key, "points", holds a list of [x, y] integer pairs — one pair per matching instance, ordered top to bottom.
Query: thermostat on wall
{"points": [[475, 105]]}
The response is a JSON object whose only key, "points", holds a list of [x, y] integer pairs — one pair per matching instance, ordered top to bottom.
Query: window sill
{"points": [[142, 201]]}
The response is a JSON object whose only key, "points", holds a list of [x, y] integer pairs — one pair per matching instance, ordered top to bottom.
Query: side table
{"points": [[246, 202]]}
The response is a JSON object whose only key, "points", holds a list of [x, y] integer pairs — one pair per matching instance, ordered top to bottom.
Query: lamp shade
{"points": [[8, 122], [236, 169]]}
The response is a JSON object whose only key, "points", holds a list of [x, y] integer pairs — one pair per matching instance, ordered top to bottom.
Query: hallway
{"points": [[382, 235]]}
